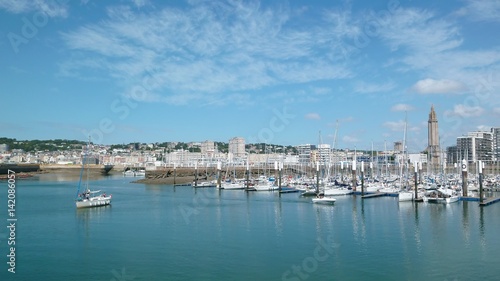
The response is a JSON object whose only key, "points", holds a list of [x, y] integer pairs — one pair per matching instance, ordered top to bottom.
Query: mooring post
{"points": [[280, 168], [342, 171], [175, 172], [419, 172], [196, 174], [219, 175], [370, 176], [248, 177], [317, 178], [362, 178], [464, 178], [354, 180], [416, 181], [480, 181]]}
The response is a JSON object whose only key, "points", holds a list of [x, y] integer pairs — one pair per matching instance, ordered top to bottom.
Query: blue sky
{"points": [[269, 71]]}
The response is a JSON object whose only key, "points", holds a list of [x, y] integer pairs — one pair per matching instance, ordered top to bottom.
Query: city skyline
{"points": [[147, 71]]}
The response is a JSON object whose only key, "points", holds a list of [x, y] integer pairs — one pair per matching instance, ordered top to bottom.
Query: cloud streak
{"points": [[51, 8], [207, 49], [444, 86]]}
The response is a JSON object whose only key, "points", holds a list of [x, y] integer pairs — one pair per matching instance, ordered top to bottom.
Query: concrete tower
{"points": [[433, 150]]}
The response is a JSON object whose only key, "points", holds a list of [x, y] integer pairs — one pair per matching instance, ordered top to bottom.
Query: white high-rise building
{"points": [[495, 134], [475, 146], [237, 147], [207, 148], [304, 151], [324, 153]]}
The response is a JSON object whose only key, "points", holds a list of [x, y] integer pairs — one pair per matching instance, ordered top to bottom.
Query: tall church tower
{"points": [[433, 150]]}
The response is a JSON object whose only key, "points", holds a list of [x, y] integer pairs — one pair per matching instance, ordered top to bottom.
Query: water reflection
{"points": [[67, 176], [86, 216], [324, 216], [278, 218], [358, 222], [465, 222], [482, 227], [417, 228]]}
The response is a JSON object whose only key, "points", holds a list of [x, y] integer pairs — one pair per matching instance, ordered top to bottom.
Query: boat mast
{"points": [[334, 146], [403, 161], [88, 167]]}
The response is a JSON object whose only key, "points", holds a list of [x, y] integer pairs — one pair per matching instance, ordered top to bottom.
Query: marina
{"points": [[250, 140], [158, 232]]}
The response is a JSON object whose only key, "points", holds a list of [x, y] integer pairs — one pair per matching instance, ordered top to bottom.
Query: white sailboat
{"points": [[338, 191], [404, 194], [90, 198], [324, 200]]}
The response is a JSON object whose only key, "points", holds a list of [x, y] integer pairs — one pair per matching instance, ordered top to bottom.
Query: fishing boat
{"points": [[106, 168], [129, 173], [140, 173], [205, 184], [233, 185], [338, 191], [311, 192], [441, 195], [405, 196], [90, 198], [324, 200]]}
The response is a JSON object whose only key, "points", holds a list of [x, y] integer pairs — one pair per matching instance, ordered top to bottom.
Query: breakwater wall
{"points": [[19, 168]]}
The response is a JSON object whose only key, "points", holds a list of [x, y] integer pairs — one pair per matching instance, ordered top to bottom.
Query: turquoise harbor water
{"points": [[166, 233]]}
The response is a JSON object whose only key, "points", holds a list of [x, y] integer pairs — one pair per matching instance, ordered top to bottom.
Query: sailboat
{"points": [[404, 194], [90, 198], [324, 200]]}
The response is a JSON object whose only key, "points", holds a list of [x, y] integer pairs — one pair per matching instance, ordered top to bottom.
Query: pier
{"points": [[379, 194], [466, 198], [489, 201]]}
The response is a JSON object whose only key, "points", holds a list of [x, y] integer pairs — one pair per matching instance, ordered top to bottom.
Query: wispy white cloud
{"points": [[141, 3], [51, 8], [483, 10], [419, 31], [424, 43], [210, 47], [432, 86], [364, 87], [402, 107], [462, 110], [312, 116], [399, 126], [483, 128], [350, 139]]}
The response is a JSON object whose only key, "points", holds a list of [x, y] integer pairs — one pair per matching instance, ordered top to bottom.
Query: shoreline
{"points": [[166, 181]]}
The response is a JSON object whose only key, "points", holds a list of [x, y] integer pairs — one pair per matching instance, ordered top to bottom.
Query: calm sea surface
{"points": [[158, 232]]}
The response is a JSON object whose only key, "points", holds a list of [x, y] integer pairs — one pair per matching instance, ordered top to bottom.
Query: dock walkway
{"points": [[489, 201]]}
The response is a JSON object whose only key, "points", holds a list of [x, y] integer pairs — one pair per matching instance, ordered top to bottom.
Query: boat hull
{"points": [[232, 186], [265, 188], [337, 191], [405, 196], [452, 199], [325, 200], [441, 200], [94, 202]]}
